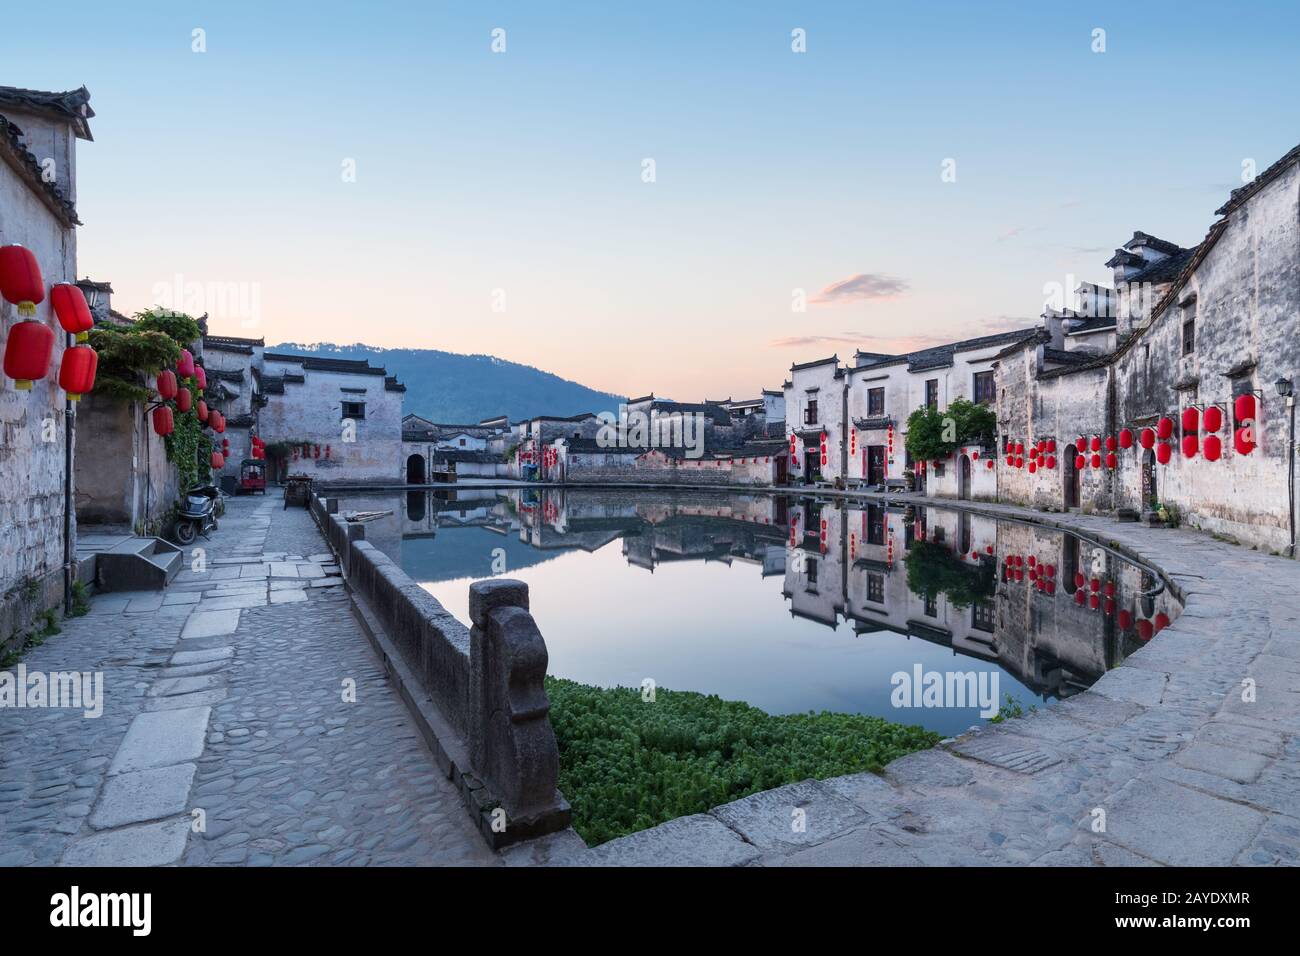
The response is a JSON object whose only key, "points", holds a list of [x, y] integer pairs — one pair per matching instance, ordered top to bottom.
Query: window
{"points": [[1189, 336], [984, 388], [932, 393], [875, 401], [354, 409], [810, 415], [462, 443], [810, 569], [876, 588], [931, 607], [981, 617]]}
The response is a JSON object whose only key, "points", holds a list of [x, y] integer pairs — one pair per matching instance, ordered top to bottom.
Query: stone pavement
{"points": [[245, 721], [1169, 758]]}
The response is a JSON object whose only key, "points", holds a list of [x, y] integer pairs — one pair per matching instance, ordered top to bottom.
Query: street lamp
{"points": [[1284, 387]]}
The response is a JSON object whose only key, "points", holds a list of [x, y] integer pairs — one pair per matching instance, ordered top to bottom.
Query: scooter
{"points": [[198, 513]]}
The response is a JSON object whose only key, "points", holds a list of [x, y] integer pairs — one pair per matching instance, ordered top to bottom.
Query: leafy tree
{"points": [[933, 435]]}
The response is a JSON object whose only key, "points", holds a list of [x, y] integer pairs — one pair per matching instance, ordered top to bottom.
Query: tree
{"points": [[932, 434]]}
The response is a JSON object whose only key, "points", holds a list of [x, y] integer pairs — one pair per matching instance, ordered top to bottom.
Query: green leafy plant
{"points": [[933, 435], [80, 600], [1009, 710], [627, 764]]}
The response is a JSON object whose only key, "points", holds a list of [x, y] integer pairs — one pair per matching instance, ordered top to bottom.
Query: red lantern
{"points": [[20, 280], [69, 305], [28, 351], [185, 367], [77, 371], [200, 376], [166, 384], [183, 400], [1244, 406], [202, 410], [1213, 418], [162, 420], [1191, 420], [220, 426], [1165, 429], [1126, 438], [1147, 439], [1243, 441], [1110, 443], [225, 444], [1081, 444], [1095, 444], [1051, 446], [1190, 446], [1213, 447], [1020, 449], [327, 451], [1163, 453], [974, 456], [1112, 460], [218, 461], [1011, 461], [1051, 461], [1096, 461], [1079, 462], [988, 463], [1020, 463], [1032, 467], [1079, 579], [1094, 585], [1109, 590], [1079, 598], [1094, 601], [1108, 608], [1125, 620], [1162, 621], [1145, 631]]}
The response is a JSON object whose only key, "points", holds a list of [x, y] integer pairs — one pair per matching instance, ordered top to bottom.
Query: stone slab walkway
{"points": [[245, 721], [1168, 759]]}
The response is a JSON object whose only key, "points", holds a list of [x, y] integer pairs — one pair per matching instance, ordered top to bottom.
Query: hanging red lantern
{"points": [[20, 279], [69, 304], [28, 351], [185, 366], [77, 371], [200, 377], [166, 384], [183, 400], [1244, 406], [202, 411], [1213, 418], [1191, 419], [162, 420], [220, 426], [1165, 429], [1125, 438], [1147, 439], [1242, 440], [225, 443], [1081, 444], [1095, 444], [1051, 446], [1190, 446], [1213, 448], [1020, 449], [327, 452], [1163, 453], [974, 456], [1011, 460], [1112, 460], [218, 461], [1096, 461], [1020, 462], [1051, 462], [1079, 462], [988, 463], [1033, 467], [1094, 585], [1109, 589], [1125, 620], [1161, 621], [1145, 631]]}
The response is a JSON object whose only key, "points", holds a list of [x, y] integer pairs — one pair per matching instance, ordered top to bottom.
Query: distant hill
{"points": [[449, 387]]}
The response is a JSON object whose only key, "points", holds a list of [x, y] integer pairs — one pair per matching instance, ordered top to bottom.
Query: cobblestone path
{"points": [[245, 722]]}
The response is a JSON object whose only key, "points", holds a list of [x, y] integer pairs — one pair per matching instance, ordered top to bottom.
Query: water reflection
{"points": [[676, 587]]}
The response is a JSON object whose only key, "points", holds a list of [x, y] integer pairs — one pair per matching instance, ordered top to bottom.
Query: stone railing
{"points": [[477, 693]]}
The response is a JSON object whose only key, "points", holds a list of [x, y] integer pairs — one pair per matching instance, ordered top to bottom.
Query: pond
{"points": [[921, 615]]}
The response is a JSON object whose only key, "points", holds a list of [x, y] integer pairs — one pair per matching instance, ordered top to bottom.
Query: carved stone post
{"points": [[512, 744]]}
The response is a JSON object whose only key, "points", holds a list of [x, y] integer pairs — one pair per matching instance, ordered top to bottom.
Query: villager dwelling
{"points": [[38, 194], [233, 368], [1193, 408], [342, 418], [815, 422], [441, 451]]}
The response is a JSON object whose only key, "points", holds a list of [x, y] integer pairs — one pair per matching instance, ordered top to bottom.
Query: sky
{"points": [[378, 173]]}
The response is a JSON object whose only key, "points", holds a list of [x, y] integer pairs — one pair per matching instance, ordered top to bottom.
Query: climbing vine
{"points": [[189, 449]]}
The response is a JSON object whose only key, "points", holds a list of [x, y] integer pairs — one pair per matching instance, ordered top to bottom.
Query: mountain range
{"points": [[450, 387]]}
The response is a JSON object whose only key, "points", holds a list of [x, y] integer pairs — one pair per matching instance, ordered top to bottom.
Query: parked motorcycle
{"points": [[198, 513]]}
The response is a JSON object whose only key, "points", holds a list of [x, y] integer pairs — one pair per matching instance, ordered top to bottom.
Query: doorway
{"points": [[875, 464], [811, 466], [415, 470], [1071, 476], [963, 478], [1150, 496]]}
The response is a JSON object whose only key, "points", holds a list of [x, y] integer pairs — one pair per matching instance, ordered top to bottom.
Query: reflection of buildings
{"points": [[1050, 609]]}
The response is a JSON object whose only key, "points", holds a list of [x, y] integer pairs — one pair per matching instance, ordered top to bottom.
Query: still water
{"points": [[790, 603]]}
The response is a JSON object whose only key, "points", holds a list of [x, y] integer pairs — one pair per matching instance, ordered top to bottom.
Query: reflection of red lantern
{"points": [[20, 280], [69, 304], [28, 351], [77, 371], [166, 384], [183, 400], [1213, 418], [162, 420], [1165, 429], [1126, 438], [1148, 438], [1190, 446], [1213, 447], [1163, 453], [1079, 579], [1094, 585], [1094, 602], [1125, 620], [1162, 621], [1145, 630]]}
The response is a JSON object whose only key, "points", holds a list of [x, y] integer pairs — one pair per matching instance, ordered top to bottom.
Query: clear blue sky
{"points": [[775, 171]]}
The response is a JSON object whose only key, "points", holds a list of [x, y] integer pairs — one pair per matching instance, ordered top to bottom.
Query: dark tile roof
{"points": [[72, 106], [15, 153], [1242, 193], [1152, 242], [1123, 257], [1165, 270], [97, 286], [1095, 324], [230, 343], [942, 356], [1063, 357], [800, 366], [223, 375], [391, 384], [643, 398], [717, 413]]}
